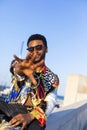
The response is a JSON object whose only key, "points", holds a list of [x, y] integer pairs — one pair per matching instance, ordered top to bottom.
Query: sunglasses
{"points": [[38, 48]]}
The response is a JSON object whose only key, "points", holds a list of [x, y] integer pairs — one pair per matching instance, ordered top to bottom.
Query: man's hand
{"points": [[27, 66], [21, 119]]}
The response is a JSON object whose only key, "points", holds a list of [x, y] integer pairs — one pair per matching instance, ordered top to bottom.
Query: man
{"points": [[34, 86]]}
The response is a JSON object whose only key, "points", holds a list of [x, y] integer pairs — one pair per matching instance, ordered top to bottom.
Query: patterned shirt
{"points": [[47, 81]]}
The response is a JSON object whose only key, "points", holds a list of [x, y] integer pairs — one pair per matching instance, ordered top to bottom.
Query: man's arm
{"points": [[51, 98], [51, 102], [47, 105]]}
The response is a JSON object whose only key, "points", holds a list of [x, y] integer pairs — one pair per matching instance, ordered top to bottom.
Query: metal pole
{"points": [[21, 50]]}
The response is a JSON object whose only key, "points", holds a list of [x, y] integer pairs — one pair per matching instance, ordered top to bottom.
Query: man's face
{"points": [[37, 48]]}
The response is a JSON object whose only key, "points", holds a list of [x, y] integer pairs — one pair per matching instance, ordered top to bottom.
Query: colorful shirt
{"points": [[47, 82]]}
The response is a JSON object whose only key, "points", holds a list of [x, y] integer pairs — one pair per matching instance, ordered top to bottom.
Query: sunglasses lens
{"points": [[39, 47], [31, 49]]}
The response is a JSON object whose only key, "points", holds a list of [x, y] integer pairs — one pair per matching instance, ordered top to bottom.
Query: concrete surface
{"points": [[76, 89], [73, 117]]}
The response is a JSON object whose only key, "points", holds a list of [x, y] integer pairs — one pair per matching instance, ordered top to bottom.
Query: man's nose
{"points": [[35, 50]]}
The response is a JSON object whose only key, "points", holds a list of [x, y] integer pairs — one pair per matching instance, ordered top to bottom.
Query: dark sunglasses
{"points": [[38, 48]]}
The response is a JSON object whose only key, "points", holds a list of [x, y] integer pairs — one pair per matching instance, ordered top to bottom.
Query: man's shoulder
{"points": [[50, 71], [51, 77]]}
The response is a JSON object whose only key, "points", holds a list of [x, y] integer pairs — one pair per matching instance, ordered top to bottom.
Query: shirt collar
{"points": [[43, 70]]}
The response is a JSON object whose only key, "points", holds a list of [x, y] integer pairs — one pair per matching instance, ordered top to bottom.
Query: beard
{"points": [[39, 58]]}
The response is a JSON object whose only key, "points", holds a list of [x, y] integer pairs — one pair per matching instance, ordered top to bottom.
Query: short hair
{"points": [[37, 37]]}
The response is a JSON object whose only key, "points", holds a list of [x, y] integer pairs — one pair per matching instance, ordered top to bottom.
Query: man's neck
{"points": [[40, 69]]}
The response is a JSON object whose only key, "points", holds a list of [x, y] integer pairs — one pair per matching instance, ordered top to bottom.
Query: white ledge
{"points": [[73, 117]]}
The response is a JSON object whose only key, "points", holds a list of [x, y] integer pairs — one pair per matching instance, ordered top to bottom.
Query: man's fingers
{"points": [[28, 57], [17, 58], [32, 59], [33, 79], [13, 122], [16, 124], [23, 126]]}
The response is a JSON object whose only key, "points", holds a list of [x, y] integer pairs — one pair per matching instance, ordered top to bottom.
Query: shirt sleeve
{"points": [[51, 99], [45, 108], [38, 112]]}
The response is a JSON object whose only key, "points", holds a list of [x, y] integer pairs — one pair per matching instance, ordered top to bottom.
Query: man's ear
{"points": [[46, 50]]}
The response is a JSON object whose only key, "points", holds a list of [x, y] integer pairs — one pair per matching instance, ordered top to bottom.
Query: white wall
{"points": [[76, 89]]}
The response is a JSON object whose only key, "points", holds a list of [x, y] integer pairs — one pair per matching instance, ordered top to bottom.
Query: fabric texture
{"points": [[47, 83], [11, 110]]}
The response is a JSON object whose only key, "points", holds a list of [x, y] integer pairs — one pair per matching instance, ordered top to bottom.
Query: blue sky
{"points": [[63, 22]]}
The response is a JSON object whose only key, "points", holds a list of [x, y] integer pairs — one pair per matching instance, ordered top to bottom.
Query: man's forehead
{"points": [[35, 42]]}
